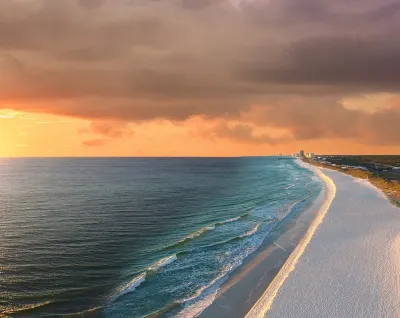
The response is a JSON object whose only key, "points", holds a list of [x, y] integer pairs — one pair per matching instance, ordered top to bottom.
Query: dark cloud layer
{"points": [[128, 60], [366, 64], [334, 121], [245, 133]]}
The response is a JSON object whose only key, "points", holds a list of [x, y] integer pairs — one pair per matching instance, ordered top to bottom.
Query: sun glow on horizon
{"points": [[24, 134]]}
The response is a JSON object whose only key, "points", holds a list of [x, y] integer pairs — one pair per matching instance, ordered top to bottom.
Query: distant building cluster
{"points": [[302, 154]]}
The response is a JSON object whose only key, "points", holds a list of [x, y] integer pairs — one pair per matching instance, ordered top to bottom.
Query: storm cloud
{"points": [[139, 60]]}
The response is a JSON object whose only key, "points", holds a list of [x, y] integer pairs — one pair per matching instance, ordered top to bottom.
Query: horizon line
{"points": [[184, 156]]}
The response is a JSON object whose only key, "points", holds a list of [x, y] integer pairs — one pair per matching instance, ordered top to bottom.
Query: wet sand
{"points": [[248, 282]]}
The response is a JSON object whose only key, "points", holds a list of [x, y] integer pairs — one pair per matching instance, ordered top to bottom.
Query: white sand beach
{"points": [[348, 264]]}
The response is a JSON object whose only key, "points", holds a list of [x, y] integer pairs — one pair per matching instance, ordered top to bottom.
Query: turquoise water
{"points": [[127, 237]]}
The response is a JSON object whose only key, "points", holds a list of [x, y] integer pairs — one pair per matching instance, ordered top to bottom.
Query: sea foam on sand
{"points": [[346, 266]]}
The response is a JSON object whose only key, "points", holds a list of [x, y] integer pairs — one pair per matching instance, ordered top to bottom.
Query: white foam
{"points": [[290, 209], [230, 220], [207, 229], [252, 231], [198, 233], [163, 262], [138, 280], [130, 287], [200, 291], [204, 296], [198, 307], [16, 310]]}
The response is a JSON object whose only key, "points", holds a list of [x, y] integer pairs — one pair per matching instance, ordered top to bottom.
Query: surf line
{"points": [[261, 307]]}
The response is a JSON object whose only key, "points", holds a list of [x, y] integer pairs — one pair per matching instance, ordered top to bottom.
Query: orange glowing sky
{"points": [[198, 77], [30, 134]]}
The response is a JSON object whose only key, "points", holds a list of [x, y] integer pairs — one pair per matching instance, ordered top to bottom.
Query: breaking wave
{"points": [[229, 220], [204, 230], [251, 232], [162, 262], [138, 280], [200, 291], [204, 296], [25, 308]]}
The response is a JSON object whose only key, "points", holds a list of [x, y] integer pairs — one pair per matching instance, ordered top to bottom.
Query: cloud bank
{"points": [[283, 64]]}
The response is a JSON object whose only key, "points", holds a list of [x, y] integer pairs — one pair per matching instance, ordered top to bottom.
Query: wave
{"points": [[290, 186], [291, 207], [284, 213], [233, 219], [229, 220], [204, 230], [199, 232], [251, 232], [190, 237], [233, 239], [162, 262], [138, 280], [130, 287], [200, 291], [205, 295], [193, 304], [197, 304], [200, 304], [25, 308], [79, 314]]}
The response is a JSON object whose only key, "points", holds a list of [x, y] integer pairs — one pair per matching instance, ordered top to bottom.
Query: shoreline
{"points": [[351, 266], [248, 283], [265, 302]]}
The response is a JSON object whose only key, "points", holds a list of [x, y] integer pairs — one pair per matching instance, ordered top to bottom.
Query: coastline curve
{"points": [[262, 306]]}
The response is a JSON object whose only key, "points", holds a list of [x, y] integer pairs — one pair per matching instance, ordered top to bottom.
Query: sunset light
{"points": [[194, 72], [199, 158]]}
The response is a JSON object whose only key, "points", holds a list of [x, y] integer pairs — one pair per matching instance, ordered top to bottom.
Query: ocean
{"points": [[136, 237]]}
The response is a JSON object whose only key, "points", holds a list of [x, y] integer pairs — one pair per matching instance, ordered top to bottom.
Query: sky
{"points": [[199, 77]]}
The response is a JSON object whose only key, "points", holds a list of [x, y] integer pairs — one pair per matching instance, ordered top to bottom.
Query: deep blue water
{"points": [[131, 237]]}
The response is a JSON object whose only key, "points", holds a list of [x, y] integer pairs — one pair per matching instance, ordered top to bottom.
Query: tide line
{"points": [[262, 306]]}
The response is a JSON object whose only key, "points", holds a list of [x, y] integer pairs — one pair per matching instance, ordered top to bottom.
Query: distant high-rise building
{"points": [[301, 153], [310, 155]]}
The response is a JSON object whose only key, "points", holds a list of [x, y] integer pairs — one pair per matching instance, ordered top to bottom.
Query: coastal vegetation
{"points": [[375, 160], [381, 171]]}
